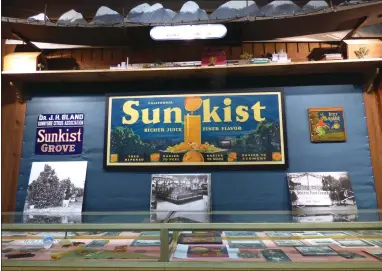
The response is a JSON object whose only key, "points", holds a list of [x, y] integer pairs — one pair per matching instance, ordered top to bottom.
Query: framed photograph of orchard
{"points": [[220, 129]]}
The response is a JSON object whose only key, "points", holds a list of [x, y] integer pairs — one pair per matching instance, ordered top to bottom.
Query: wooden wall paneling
{"points": [[313, 45], [325, 45], [281, 46], [201, 48], [247, 48], [269, 48], [292, 48], [303, 48], [226, 49], [258, 49], [5, 50], [302, 51], [126, 52], [186, 52], [236, 52], [77, 54], [160, 54], [97, 55], [108, 55], [119, 55], [86, 56], [373, 109], [12, 129]]}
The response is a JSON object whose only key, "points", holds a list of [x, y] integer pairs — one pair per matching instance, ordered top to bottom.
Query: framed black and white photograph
{"points": [[55, 192], [322, 196], [180, 197], [369, 232], [240, 233], [278, 233], [334, 233], [307, 234], [321, 241], [145, 243], [148, 243], [288, 243], [351, 243], [246, 244], [316, 251]]}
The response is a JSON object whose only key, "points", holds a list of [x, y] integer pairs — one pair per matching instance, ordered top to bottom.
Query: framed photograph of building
{"points": [[218, 129], [180, 197], [322, 197], [278, 233], [335, 233], [307, 234], [321, 241], [147, 243], [288, 243], [351, 243], [246, 244], [316, 251]]}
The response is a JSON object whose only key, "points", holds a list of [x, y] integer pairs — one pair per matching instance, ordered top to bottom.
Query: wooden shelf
{"points": [[280, 69]]}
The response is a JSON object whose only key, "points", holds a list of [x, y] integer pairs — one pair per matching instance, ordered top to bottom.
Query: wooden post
{"points": [[373, 108], [12, 132], [164, 246]]}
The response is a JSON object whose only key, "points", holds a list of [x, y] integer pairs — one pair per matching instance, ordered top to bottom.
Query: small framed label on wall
{"points": [[327, 124], [227, 129]]}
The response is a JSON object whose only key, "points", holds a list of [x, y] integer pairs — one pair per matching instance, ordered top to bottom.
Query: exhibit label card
{"points": [[197, 129], [59, 134]]}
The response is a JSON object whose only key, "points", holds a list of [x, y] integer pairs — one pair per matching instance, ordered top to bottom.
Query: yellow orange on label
{"points": [[192, 103], [193, 156]]}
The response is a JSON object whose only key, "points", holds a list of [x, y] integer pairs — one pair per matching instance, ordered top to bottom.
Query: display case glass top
{"points": [[232, 239]]}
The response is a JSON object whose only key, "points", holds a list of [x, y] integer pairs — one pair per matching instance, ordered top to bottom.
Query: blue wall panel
{"points": [[231, 190]]}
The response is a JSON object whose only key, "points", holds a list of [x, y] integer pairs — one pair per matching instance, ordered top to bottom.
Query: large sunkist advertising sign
{"points": [[196, 129]]}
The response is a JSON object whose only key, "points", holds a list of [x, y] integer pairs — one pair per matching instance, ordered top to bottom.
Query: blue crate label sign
{"points": [[196, 129], [59, 134]]}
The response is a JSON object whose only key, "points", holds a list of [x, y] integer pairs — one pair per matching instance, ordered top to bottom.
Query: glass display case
{"points": [[233, 240]]}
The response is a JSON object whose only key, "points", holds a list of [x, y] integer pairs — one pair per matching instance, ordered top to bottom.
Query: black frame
{"points": [[196, 167]]}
